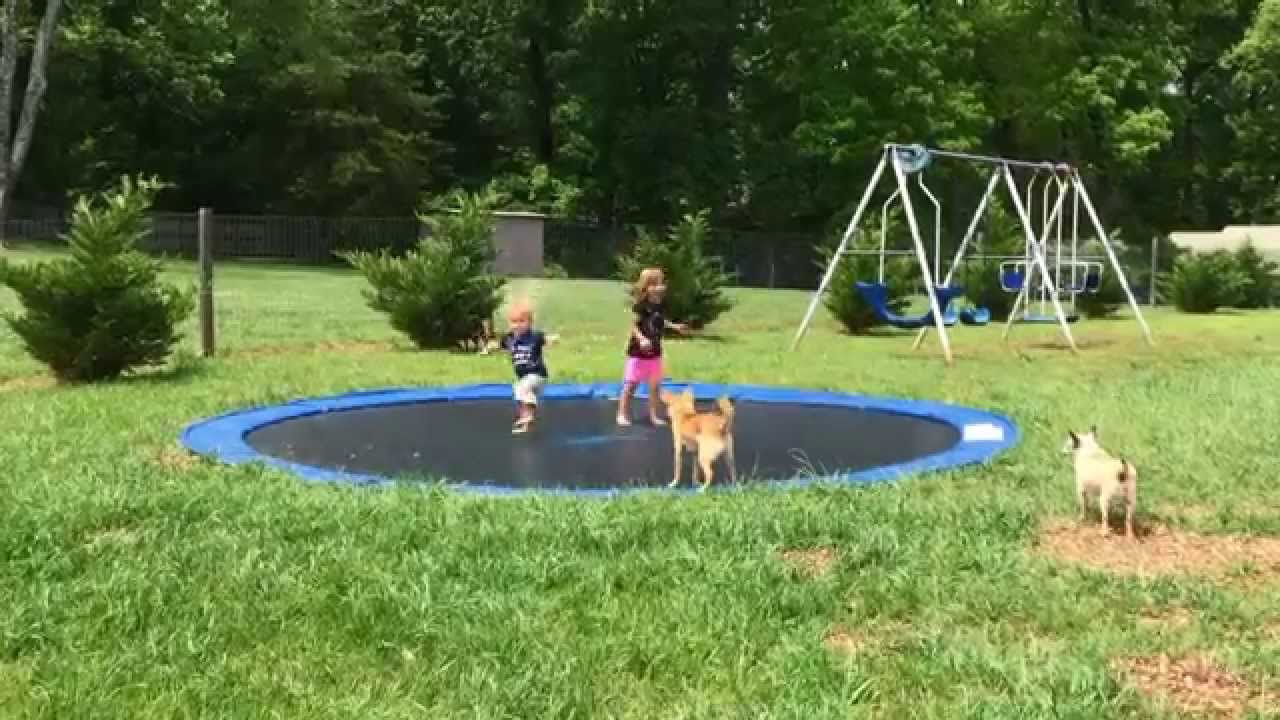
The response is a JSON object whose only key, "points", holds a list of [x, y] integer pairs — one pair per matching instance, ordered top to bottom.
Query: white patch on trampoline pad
{"points": [[983, 432]]}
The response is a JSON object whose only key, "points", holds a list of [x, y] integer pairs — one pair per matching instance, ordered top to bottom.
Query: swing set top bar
{"points": [[989, 159]]}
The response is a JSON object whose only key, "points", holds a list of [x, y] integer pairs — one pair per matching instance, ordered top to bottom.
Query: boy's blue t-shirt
{"points": [[526, 352]]}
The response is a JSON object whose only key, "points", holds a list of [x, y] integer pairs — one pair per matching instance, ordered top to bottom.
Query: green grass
{"points": [[136, 585]]}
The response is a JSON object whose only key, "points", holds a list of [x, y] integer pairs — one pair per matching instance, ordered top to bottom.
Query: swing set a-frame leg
{"points": [[839, 253], [923, 259]]}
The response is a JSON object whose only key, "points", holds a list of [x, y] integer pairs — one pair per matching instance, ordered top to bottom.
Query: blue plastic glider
{"points": [[877, 296], [975, 316]]}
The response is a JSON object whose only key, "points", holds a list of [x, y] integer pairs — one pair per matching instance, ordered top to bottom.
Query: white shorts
{"points": [[528, 388]]}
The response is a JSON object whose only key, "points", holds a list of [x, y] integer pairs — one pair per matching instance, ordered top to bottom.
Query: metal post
{"points": [[884, 224], [937, 225], [848, 233], [205, 240], [1039, 257], [923, 258], [1115, 263], [1151, 291]]}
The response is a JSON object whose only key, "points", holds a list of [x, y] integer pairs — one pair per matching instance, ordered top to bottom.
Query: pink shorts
{"points": [[641, 370]]}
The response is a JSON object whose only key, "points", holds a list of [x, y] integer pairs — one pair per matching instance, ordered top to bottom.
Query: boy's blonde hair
{"points": [[649, 277], [520, 310]]}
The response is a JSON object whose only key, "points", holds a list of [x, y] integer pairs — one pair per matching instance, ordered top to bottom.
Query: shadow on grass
{"points": [[182, 369]]}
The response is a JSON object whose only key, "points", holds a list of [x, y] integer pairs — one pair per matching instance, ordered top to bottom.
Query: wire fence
{"points": [[300, 239], [752, 258], [791, 260]]}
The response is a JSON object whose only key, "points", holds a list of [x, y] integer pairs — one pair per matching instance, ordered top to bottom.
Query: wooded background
{"points": [[612, 112]]}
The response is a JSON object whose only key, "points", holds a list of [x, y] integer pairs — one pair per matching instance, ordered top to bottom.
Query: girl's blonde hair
{"points": [[649, 277]]}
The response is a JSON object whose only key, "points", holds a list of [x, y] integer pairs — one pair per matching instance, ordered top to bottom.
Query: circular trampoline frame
{"points": [[983, 434]]}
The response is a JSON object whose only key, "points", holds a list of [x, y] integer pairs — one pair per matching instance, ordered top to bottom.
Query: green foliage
{"points": [[1254, 93], [763, 112], [537, 191], [695, 281], [1202, 283], [1262, 284], [442, 292], [842, 298], [103, 310]]}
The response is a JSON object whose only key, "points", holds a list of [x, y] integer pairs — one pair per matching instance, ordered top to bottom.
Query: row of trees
{"points": [[767, 112]]}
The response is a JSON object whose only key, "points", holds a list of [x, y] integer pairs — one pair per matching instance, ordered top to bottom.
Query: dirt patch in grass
{"points": [[1062, 344], [335, 346], [28, 382], [174, 458], [107, 537], [1161, 550], [810, 562], [1174, 618], [842, 640], [845, 640], [15, 682], [1194, 684]]}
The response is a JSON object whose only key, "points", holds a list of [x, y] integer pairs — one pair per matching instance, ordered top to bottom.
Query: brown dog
{"points": [[711, 434]]}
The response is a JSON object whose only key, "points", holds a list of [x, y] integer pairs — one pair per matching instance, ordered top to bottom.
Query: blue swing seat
{"points": [[1011, 280], [877, 296]]}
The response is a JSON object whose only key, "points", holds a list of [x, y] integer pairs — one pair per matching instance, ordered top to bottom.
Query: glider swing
{"points": [[911, 159], [1018, 276]]}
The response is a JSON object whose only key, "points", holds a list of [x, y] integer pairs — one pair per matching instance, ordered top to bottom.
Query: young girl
{"points": [[644, 346]]}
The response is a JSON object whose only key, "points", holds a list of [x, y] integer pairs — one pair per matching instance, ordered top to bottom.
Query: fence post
{"points": [[205, 238], [1151, 292]]}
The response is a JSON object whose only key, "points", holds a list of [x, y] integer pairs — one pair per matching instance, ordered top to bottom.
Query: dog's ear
{"points": [[1093, 430], [1075, 439]]}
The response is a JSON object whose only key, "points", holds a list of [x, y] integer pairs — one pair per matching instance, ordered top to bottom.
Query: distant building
{"points": [[1266, 238]]}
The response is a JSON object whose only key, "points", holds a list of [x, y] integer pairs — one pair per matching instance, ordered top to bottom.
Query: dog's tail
{"points": [[726, 408]]}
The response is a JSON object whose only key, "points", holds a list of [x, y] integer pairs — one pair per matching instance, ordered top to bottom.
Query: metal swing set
{"points": [[1019, 276]]}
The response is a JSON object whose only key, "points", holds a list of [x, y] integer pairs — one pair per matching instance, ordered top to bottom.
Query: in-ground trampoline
{"points": [[461, 436]]}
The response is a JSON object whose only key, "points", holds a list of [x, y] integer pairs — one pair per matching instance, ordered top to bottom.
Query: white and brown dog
{"points": [[1097, 471]]}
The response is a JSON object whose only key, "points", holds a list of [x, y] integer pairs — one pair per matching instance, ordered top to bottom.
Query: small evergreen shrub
{"points": [[1003, 236], [695, 281], [981, 282], [1202, 283], [1262, 285], [442, 292], [842, 298], [1106, 301], [103, 310]]}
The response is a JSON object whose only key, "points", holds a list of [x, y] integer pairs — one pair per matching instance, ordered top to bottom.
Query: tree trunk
{"points": [[8, 66], [543, 102], [14, 145]]}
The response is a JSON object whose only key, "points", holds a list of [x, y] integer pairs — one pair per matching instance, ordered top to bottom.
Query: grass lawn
{"points": [[137, 582]]}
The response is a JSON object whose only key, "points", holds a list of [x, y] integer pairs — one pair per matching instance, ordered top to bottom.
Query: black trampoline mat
{"points": [[576, 445]]}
